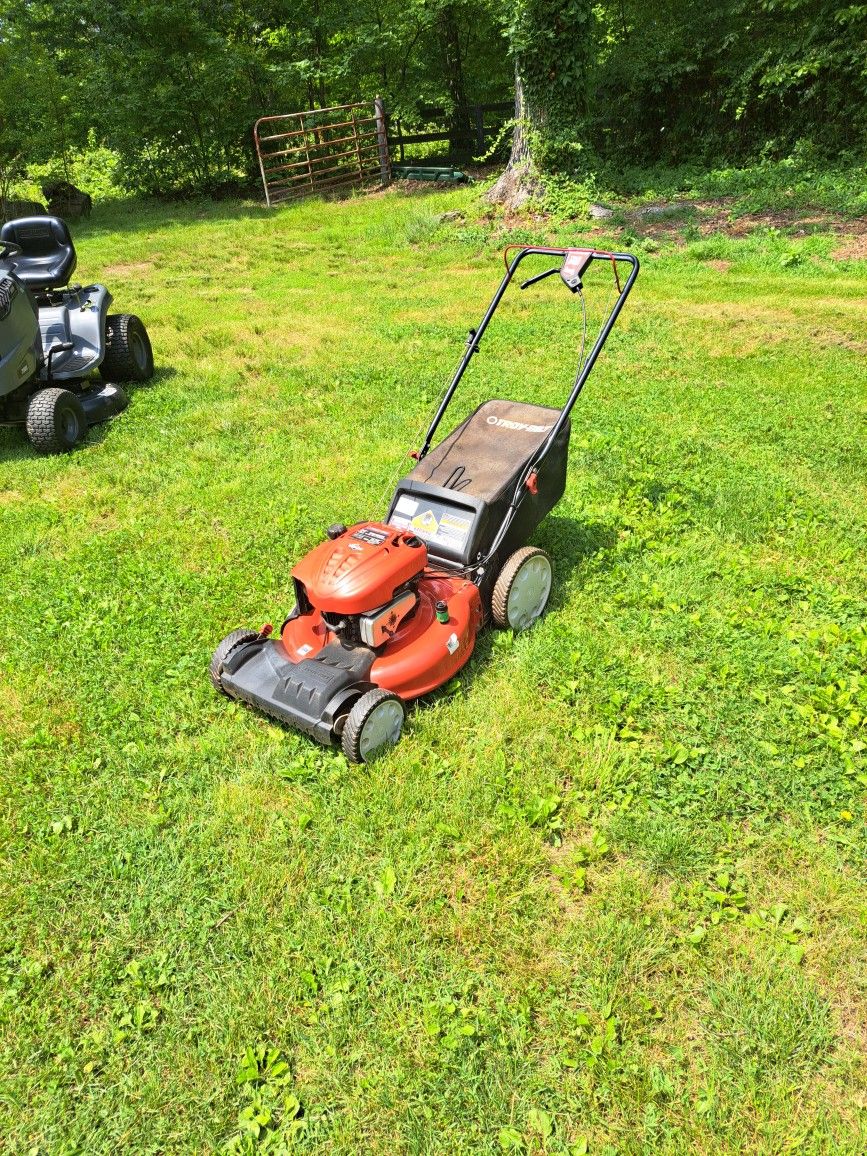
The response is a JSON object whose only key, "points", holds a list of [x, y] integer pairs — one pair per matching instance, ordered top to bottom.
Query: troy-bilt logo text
{"points": [[503, 424]]}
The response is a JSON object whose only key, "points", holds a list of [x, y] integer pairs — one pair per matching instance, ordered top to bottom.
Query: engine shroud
{"points": [[360, 571]]}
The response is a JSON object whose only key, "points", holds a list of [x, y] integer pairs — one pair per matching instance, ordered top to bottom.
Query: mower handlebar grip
{"points": [[542, 250]]}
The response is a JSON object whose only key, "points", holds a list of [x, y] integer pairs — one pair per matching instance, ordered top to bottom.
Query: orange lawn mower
{"points": [[386, 612]]}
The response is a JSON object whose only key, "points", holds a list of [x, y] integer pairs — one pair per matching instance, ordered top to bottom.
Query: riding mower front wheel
{"points": [[55, 421]]}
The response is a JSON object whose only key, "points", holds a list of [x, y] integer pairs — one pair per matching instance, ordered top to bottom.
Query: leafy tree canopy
{"points": [[174, 86]]}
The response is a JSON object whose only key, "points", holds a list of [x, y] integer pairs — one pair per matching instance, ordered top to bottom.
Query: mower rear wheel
{"points": [[128, 353], [55, 421], [522, 590], [230, 642], [373, 725]]}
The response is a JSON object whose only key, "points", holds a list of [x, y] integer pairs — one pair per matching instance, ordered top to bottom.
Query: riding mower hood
{"points": [[54, 335], [388, 611]]}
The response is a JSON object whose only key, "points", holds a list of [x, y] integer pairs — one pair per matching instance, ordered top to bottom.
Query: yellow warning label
{"points": [[425, 523]]}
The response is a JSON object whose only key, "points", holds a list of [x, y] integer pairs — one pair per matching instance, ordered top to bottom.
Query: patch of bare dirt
{"points": [[420, 187], [715, 216], [672, 221], [788, 221], [854, 250], [128, 270], [832, 338], [13, 716]]}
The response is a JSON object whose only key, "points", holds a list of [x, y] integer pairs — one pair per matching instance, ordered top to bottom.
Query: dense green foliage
{"points": [[553, 43], [740, 77], [173, 87], [606, 895]]}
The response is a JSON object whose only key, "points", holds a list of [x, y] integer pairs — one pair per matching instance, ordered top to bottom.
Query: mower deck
{"points": [[308, 677], [307, 693]]}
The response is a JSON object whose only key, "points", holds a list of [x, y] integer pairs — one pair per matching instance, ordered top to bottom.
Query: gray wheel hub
{"points": [[137, 349], [69, 425], [529, 592], [381, 728]]}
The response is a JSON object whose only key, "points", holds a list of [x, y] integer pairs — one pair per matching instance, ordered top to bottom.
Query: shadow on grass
{"points": [[141, 214], [131, 215], [100, 432], [14, 446], [570, 543]]}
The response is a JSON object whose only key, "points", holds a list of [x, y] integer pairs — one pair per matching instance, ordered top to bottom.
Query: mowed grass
{"points": [[607, 895]]}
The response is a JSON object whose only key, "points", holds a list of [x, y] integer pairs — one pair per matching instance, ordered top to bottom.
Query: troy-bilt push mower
{"points": [[53, 335], [388, 611]]}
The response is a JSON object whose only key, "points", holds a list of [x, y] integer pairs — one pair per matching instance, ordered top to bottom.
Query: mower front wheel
{"points": [[55, 421], [522, 590], [230, 642], [373, 725]]}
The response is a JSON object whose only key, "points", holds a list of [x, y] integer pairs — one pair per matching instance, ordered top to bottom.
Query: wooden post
{"points": [[382, 139], [306, 149], [261, 168]]}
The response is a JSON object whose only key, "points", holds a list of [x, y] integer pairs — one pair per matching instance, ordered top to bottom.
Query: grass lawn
{"points": [[607, 894]]}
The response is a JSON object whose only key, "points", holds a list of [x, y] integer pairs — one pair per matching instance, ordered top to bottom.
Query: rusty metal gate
{"points": [[301, 153]]}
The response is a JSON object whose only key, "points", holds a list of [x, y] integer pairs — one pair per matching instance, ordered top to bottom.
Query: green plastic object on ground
{"points": [[427, 173]]}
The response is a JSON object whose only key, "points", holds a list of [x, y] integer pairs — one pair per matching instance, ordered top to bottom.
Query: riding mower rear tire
{"points": [[128, 353], [55, 421]]}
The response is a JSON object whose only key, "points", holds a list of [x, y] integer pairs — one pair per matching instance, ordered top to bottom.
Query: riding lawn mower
{"points": [[53, 335], [387, 611]]}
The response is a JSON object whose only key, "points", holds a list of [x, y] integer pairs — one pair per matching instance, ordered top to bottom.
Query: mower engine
{"points": [[363, 583]]}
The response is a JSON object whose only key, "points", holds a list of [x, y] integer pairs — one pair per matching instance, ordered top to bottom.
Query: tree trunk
{"points": [[319, 49], [459, 115], [519, 182]]}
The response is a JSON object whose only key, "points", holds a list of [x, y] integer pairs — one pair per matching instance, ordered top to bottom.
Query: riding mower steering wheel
{"points": [[9, 249]]}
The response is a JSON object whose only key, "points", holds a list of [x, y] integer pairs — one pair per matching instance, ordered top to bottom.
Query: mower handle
{"points": [[8, 249], [575, 261]]}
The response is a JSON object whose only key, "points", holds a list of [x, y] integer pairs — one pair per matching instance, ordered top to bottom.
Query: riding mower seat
{"points": [[47, 259]]}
